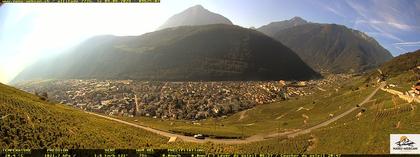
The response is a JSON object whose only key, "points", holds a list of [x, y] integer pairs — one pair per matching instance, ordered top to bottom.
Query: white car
{"points": [[199, 136]]}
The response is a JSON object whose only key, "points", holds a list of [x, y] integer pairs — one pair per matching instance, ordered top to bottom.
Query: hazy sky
{"points": [[31, 31]]}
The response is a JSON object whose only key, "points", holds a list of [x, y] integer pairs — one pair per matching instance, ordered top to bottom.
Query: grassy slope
{"points": [[404, 63], [399, 64], [28, 122]]}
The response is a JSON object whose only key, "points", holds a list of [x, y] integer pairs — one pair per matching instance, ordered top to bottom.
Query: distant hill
{"points": [[196, 15], [329, 47], [211, 52], [399, 65], [29, 122]]}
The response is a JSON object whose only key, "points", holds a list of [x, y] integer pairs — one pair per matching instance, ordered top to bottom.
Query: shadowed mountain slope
{"points": [[211, 52]]}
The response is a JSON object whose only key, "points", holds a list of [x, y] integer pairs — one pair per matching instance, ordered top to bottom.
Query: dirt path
{"points": [[243, 114], [5, 116], [185, 138], [253, 138]]}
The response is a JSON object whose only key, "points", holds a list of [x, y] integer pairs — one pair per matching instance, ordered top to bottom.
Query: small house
{"points": [[417, 88]]}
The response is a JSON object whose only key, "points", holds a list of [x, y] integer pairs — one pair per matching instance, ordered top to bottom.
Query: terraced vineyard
{"points": [[394, 111], [29, 122], [368, 132], [366, 135], [296, 145], [270, 146]]}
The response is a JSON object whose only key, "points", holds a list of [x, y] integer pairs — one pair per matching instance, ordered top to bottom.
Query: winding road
{"points": [[308, 130], [253, 138]]}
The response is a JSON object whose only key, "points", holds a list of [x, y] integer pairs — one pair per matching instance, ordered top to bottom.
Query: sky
{"points": [[29, 32]]}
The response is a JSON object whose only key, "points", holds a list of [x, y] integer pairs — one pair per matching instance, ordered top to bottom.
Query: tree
{"points": [[44, 96]]}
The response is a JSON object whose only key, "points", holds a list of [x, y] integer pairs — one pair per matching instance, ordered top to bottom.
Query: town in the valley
{"points": [[174, 100]]}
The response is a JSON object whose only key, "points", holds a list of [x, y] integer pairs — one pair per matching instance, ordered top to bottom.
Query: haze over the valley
{"points": [[33, 31]]}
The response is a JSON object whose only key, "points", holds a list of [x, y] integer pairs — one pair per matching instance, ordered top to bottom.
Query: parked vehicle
{"points": [[199, 136]]}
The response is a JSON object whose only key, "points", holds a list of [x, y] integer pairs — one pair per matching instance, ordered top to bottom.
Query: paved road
{"points": [[182, 137], [253, 138]]}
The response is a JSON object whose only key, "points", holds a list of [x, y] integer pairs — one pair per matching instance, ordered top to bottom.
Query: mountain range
{"points": [[197, 44], [328, 47], [209, 52]]}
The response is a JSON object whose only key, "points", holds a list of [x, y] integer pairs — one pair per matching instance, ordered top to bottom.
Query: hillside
{"points": [[196, 15], [330, 47], [211, 52], [401, 65], [28, 122]]}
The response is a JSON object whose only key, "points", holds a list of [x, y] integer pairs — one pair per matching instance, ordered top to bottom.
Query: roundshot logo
{"points": [[404, 143]]}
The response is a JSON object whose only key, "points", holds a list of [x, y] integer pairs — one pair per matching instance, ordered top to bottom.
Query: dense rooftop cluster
{"points": [[173, 100]]}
